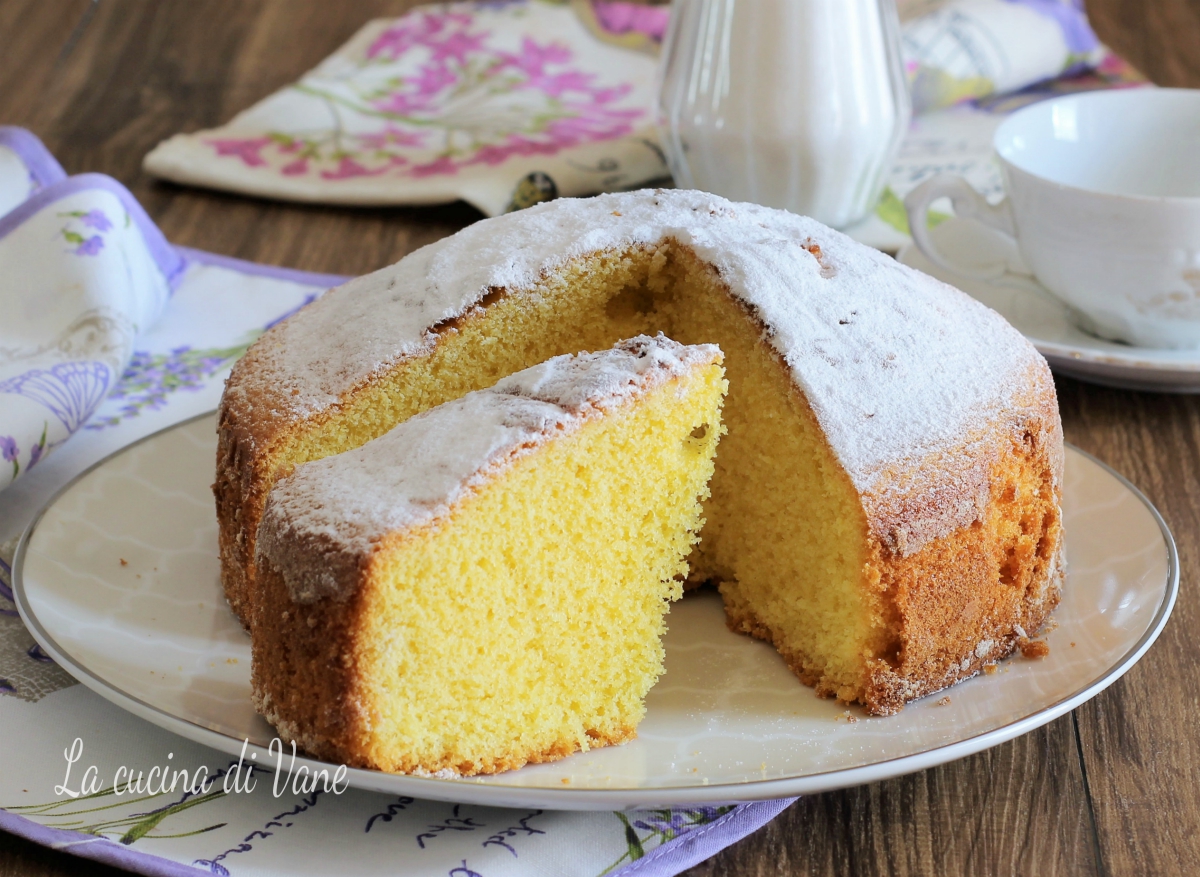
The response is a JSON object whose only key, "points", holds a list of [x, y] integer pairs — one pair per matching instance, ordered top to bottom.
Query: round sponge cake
{"points": [[885, 505]]}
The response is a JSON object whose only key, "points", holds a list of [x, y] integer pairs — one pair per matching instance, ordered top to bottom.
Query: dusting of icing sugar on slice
{"points": [[896, 365], [324, 520]]}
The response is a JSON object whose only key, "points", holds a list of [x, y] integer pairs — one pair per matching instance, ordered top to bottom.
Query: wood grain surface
{"points": [[1112, 789]]}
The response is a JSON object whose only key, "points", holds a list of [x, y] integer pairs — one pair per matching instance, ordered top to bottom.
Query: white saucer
{"points": [[1046, 322], [118, 580]]}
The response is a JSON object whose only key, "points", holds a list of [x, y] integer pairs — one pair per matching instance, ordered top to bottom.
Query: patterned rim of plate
{"points": [[468, 792]]}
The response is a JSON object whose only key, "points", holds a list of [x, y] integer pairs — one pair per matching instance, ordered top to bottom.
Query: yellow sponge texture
{"points": [[785, 528], [527, 625]]}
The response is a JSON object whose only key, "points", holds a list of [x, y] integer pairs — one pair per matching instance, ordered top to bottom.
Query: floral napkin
{"points": [[504, 104], [82, 271], [187, 316]]}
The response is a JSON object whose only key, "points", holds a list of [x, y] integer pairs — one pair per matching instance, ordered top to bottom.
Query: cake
{"points": [[885, 508], [485, 585]]}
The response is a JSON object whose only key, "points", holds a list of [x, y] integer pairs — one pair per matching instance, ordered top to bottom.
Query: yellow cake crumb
{"points": [[539, 599]]}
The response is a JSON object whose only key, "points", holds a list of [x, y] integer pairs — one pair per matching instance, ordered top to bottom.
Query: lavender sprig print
{"points": [[94, 219], [86, 245], [151, 378], [10, 452], [35, 453], [662, 826], [125, 829]]}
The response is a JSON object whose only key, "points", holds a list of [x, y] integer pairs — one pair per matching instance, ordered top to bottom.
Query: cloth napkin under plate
{"points": [[504, 104], [82, 271], [176, 370]]}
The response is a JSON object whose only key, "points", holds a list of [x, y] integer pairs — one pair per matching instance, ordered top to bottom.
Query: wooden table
{"points": [[1113, 788]]}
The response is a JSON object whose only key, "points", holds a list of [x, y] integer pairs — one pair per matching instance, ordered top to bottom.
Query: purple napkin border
{"points": [[44, 168], [53, 184], [169, 262], [258, 269], [704, 843], [98, 849], [665, 861]]}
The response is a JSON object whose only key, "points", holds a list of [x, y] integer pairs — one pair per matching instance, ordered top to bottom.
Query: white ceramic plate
{"points": [[1046, 321], [118, 581]]}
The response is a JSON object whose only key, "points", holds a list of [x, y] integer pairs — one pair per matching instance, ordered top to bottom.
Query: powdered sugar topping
{"points": [[895, 364], [322, 522]]}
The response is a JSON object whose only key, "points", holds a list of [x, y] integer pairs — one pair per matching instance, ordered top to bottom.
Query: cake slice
{"points": [[485, 585]]}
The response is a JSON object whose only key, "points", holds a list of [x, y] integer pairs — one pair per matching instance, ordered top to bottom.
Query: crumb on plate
{"points": [[1035, 648]]}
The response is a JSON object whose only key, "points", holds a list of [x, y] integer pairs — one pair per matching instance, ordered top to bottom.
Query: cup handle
{"points": [[968, 204]]}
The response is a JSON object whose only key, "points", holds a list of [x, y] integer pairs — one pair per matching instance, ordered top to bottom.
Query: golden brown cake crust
{"points": [[857, 331], [934, 470], [968, 599], [317, 663], [308, 688]]}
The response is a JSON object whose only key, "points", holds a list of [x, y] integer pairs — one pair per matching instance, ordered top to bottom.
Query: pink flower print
{"points": [[619, 18], [416, 30], [392, 43], [458, 46], [534, 58], [433, 79], [429, 81], [556, 85], [608, 95], [460, 102], [401, 104], [591, 124], [391, 136], [247, 150], [497, 153], [443, 165], [347, 168], [97, 220], [90, 247]]}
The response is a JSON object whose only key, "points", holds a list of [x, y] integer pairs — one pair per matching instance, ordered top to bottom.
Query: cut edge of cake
{"points": [[344, 542]]}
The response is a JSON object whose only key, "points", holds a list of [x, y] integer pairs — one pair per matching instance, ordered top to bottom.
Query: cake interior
{"points": [[785, 532], [548, 626]]}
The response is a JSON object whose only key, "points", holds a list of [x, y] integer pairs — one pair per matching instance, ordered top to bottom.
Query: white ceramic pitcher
{"points": [[799, 104]]}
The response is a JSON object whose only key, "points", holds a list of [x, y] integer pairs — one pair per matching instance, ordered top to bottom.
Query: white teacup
{"points": [[1104, 205]]}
